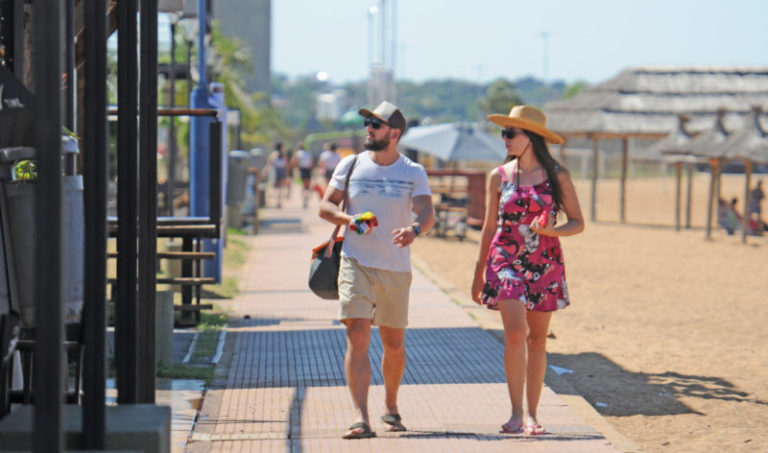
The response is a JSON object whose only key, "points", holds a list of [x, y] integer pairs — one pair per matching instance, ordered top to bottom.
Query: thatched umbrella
{"points": [[642, 103], [709, 144], [750, 145], [672, 150]]}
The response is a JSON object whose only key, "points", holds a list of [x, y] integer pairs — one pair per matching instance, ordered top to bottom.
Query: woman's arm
{"points": [[575, 223], [489, 229]]}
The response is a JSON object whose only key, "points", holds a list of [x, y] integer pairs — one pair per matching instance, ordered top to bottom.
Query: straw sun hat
{"points": [[528, 118]]}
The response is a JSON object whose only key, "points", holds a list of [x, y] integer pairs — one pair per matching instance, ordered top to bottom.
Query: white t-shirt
{"points": [[304, 158], [330, 159], [386, 191]]}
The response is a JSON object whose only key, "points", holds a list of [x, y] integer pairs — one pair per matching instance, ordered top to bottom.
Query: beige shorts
{"points": [[375, 294]]}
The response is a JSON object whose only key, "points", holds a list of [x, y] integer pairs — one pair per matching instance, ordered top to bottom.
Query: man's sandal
{"points": [[394, 422], [359, 430]]}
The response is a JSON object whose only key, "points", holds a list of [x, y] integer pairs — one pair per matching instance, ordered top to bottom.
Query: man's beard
{"points": [[376, 145]]}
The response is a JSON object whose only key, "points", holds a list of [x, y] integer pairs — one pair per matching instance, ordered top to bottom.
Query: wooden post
{"points": [[595, 155], [563, 156], [714, 165], [623, 183], [689, 189], [678, 190], [747, 201]]}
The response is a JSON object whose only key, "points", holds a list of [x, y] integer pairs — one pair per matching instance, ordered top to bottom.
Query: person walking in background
{"points": [[302, 160], [328, 160], [278, 162], [755, 216], [520, 267], [375, 273]]}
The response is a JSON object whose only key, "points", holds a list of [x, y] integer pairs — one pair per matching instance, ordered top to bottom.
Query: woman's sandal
{"points": [[394, 422], [512, 428], [359, 430], [534, 430]]}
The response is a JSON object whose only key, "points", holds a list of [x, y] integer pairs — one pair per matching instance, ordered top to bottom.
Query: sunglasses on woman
{"points": [[375, 123], [510, 133]]}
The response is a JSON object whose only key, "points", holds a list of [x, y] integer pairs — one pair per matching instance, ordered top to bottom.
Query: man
{"points": [[328, 160], [375, 273]]}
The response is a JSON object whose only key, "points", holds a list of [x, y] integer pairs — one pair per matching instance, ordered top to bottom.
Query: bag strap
{"points": [[344, 203]]}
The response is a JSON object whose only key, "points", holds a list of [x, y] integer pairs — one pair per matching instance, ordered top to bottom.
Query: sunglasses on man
{"points": [[375, 123], [510, 133]]}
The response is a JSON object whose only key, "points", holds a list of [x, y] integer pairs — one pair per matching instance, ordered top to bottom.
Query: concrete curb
{"points": [[491, 323]]}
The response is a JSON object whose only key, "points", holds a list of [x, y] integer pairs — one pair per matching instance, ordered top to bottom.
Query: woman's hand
{"points": [[548, 229], [477, 284]]}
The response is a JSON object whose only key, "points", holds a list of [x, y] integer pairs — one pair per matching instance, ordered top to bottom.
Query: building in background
{"points": [[250, 21]]}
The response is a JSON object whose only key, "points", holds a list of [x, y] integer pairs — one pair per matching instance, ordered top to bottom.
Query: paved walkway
{"points": [[281, 385]]}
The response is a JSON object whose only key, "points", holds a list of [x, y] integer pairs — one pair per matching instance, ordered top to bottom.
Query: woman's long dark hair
{"points": [[550, 164]]}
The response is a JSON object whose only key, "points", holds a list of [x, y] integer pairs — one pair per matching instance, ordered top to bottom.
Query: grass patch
{"points": [[236, 251], [227, 289], [212, 321], [206, 345], [183, 371]]}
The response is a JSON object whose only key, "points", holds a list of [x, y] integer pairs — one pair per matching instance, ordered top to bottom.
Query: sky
{"points": [[482, 40]]}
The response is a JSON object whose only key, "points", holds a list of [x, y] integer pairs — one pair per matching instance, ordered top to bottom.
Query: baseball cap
{"points": [[388, 113]]}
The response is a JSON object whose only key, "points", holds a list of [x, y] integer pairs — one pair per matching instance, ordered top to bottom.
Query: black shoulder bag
{"points": [[326, 257]]}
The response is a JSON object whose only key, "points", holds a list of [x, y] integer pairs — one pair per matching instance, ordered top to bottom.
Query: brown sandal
{"points": [[359, 430]]}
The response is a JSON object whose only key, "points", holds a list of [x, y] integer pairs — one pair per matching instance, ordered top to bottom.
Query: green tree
{"points": [[574, 88], [500, 96], [261, 124]]}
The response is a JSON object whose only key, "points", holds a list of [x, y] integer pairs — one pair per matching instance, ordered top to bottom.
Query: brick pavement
{"points": [[282, 386]]}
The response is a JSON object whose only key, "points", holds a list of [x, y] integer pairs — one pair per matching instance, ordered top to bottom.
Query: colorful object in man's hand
{"points": [[543, 219], [364, 223]]}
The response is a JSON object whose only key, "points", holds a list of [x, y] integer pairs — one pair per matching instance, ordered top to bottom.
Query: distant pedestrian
{"points": [[302, 160], [328, 160], [278, 162], [755, 207], [520, 264], [375, 276]]}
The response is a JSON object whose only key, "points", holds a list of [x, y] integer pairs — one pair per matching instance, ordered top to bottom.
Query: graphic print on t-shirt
{"points": [[390, 188]]}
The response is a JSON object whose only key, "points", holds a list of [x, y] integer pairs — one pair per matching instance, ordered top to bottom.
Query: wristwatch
{"points": [[416, 229]]}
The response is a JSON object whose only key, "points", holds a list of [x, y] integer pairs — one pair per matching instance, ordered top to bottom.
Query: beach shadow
{"points": [[615, 391]]}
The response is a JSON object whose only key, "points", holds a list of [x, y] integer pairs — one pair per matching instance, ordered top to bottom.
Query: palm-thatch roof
{"points": [[645, 102], [751, 142]]}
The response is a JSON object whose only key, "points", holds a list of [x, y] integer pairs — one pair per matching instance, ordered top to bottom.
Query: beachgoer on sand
{"points": [[520, 269], [375, 275]]}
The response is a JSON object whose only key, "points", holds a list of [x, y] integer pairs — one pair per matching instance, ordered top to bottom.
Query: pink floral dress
{"points": [[521, 264]]}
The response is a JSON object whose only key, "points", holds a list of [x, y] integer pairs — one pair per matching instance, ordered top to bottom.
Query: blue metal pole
{"points": [[200, 148]]}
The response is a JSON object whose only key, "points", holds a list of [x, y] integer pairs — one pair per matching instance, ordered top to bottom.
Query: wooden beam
{"points": [[714, 165], [595, 167], [623, 183], [678, 190], [688, 194], [747, 200]]}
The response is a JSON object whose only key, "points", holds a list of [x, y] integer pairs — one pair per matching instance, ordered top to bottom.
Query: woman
{"points": [[279, 161], [520, 264]]}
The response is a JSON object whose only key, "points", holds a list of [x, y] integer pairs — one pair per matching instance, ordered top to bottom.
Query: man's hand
{"points": [[403, 237]]}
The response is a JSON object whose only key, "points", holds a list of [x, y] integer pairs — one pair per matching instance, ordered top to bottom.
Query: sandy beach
{"points": [[666, 334]]}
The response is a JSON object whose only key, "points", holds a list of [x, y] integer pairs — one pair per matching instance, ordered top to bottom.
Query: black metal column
{"points": [[12, 35], [69, 65], [215, 162], [95, 171], [170, 180], [147, 201], [126, 311], [49, 351]]}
